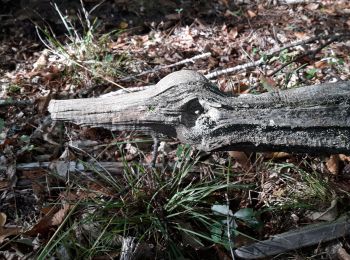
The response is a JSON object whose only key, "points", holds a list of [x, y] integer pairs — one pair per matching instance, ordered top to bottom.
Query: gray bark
{"points": [[189, 107]]}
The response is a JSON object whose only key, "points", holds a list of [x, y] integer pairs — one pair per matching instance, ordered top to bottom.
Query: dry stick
{"points": [[293, 2], [272, 52], [300, 56], [197, 57], [4, 103], [113, 168], [228, 220]]}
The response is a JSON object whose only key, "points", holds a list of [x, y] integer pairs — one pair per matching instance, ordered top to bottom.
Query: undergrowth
{"points": [[85, 55], [173, 212], [148, 213]]}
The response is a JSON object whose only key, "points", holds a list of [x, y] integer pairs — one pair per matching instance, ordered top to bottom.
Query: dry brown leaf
{"points": [[224, 2], [312, 6], [261, 7], [329, 10], [229, 13], [251, 14], [173, 17], [123, 25], [233, 33], [301, 35], [41, 61], [212, 62], [321, 64], [268, 83], [43, 103], [277, 155], [241, 158], [344, 158], [333, 164], [11, 174], [4, 184], [279, 193], [47, 210], [3, 218], [53, 218], [58, 218], [6, 232], [342, 254]]}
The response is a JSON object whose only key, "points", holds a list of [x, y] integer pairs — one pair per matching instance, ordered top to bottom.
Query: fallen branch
{"points": [[272, 52], [310, 53], [6, 102], [189, 107], [72, 167], [296, 239]]}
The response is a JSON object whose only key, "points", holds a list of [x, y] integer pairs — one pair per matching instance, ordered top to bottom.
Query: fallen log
{"points": [[189, 107]]}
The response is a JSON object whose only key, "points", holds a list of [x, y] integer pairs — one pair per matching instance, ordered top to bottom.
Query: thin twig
{"points": [[272, 52], [302, 55], [4, 103], [155, 150], [228, 220]]}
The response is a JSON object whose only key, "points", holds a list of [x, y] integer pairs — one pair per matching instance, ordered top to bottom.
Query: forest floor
{"points": [[71, 192]]}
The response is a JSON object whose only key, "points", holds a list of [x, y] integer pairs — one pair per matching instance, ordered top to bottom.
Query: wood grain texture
{"points": [[187, 106]]}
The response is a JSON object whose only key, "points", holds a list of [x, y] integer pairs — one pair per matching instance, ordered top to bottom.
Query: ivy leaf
{"points": [[247, 215]]}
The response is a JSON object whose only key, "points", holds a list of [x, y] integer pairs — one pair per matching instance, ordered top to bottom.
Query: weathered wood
{"points": [[186, 105]]}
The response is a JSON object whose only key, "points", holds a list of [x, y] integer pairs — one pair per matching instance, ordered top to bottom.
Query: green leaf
{"points": [[311, 73], [13, 88], [25, 138], [183, 151], [221, 209], [247, 215], [219, 234]]}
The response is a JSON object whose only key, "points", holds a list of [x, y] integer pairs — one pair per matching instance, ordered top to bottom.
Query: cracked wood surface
{"points": [[189, 107]]}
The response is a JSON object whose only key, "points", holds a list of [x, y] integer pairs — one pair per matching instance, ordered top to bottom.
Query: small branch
{"points": [[294, 2], [273, 52], [311, 53], [190, 60], [234, 69], [4, 103], [155, 150], [114, 168], [228, 223]]}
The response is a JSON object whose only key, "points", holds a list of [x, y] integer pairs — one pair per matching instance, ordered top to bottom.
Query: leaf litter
{"points": [[34, 201]]}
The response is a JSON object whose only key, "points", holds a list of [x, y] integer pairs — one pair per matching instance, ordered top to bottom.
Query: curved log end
{"points": [[180, 77]]}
